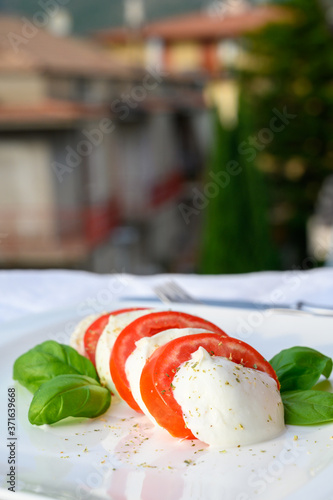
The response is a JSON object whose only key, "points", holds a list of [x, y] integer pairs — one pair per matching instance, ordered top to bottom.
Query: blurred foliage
{"points": [[293, 70], [289, 74], [236, 229]]}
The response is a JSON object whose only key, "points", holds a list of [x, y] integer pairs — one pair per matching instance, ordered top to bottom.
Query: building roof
{"points": [[203, 25], [120, 34], [45, 52], [50, 113]]}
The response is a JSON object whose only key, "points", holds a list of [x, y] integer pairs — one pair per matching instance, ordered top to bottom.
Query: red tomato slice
{"points": [[147, 326], [95, 330], [160, 369]]}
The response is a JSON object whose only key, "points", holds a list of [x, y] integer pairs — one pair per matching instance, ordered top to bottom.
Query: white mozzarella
{"points": [[76, 340], [106, 342], [144, 349], [225, 404]]}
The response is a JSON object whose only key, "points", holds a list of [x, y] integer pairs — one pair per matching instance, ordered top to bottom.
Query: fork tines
{"points": [[170, 291]]}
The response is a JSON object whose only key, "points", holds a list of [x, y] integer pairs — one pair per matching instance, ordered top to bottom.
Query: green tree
{"points": [[292, 69], [289, 70], [236, 232]]}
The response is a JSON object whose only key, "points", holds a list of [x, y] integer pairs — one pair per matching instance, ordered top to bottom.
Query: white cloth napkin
{"points": [[30, 292]]}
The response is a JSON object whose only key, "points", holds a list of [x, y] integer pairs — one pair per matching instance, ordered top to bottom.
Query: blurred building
{"points": [[207, 41], [205, 45], [94, 156]]}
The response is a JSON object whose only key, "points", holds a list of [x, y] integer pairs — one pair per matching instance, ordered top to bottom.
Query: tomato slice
{"points": [[147, 326], [95, 330], [160, 369]]}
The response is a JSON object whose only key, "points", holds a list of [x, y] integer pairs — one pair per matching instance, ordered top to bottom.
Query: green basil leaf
{"points": [[46, 361], [300, 368], [68, 396], [307, 407]]}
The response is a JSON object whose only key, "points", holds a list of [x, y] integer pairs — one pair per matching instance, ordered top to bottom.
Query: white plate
{"points": [[121, 456]]}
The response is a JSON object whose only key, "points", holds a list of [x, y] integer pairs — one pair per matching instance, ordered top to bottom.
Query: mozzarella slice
{"points": [[77, 337], [106, 342], [144, 349], [225, 404]]}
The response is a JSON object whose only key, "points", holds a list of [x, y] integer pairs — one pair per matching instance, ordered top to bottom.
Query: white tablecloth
{"points": [[31, 292]]}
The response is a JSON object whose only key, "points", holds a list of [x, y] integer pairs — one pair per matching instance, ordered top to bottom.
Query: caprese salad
{"points": [[182, 371], [185, 374]]}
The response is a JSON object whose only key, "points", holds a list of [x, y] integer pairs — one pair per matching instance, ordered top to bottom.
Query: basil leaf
{"points": [[47, 360], [300, 368], [68, 396], [307, 407]]}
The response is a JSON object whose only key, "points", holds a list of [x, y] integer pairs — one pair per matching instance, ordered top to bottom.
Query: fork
{"points": [[172, 292]]}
